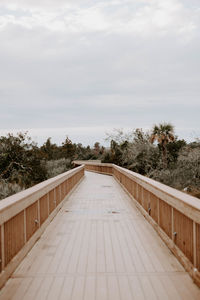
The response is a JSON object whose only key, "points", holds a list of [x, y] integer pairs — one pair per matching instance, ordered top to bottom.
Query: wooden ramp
{"points": [[99, 247]]}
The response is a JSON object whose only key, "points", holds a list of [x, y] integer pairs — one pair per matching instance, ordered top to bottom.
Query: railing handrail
{"points": [[91, 162], [172, 194], [188, 200], [15, 203], [173, 214], [25, 215]]}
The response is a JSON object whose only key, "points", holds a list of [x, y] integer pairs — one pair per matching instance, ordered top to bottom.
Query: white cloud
{"points": [[136, 17], [117, 63]]}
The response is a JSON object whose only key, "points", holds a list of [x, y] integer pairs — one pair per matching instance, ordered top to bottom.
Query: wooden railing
{"points": [[97, 167], [174, 214], [25, 215]]}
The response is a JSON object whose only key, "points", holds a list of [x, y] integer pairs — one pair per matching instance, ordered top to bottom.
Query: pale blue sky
{"points": [[80, 68]]}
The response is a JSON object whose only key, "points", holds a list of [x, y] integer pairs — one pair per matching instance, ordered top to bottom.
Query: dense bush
{"points": [[20, 161], [170, 161], [24, 164], [56, 167], [178, 167], [185, 175], [8, 189]]}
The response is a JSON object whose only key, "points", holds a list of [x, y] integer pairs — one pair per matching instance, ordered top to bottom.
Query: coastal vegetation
{"points": [[158, 154]]}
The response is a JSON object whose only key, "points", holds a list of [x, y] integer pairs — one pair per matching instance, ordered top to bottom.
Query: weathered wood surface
{"points": [[173, 214], [25, 215], [99, 246]]}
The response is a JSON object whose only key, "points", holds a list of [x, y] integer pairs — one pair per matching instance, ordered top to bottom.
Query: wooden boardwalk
{"points": [[99, 247]]}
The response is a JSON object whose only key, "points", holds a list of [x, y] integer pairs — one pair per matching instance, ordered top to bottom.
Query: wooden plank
{"points": [[62, 187], [140, 194], [58, 195], [146, 200], [52, 201], [43, 202], [11, 206], [154, 206], [165, 217], [32, 221], [183, 226], [13, 236], [1, 246], [198, 246], [133, 249], [125, 251], [87, 252], [92, 253], [143, 254], [109, 256], [101, 260], [136, 287], [158, 287], [169, 287], [90, 288], [113, 288], [125, 288], [33, 289], [55, 289], [78, 289], [101, 289], [148, 289], [66, 290], [44, 291], [9, 293]]}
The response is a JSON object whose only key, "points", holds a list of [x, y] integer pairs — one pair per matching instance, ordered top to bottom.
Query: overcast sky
{"points": [[82, 67]]}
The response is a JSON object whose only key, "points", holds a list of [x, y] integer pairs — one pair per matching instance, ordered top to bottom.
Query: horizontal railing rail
{"points": [[98, 167], [25, 215], [174, 215]]}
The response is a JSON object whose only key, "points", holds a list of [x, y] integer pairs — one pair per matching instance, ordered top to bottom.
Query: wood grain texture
{"points": [[103, 168], [70, 184], [66, 186], [135, 190], [62, 191], [140, 194], [58, 195], [145, 200], [52, 201], [160, 202], [154, 206], [43, 209], [165, 216], [31, 220], [183, 227], [20, 231], [13, 236], [198, 246], [0, 251], [87, 252]]}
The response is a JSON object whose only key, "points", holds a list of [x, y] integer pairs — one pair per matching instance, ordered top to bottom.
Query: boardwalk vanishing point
{"points": [[99, 246]]}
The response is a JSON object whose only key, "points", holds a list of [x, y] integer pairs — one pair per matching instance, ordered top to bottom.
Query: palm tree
{"points": [[163, 134]]}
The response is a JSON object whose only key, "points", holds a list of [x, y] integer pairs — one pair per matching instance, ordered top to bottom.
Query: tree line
{"points": [[158, 154]]}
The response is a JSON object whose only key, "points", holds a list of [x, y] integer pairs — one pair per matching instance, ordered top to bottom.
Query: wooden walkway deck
{"points": [[99, 247]]}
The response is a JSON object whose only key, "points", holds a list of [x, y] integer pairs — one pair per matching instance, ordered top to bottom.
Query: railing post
{"points": [[136, 191], [54, 198], [38, 207], [48, 209], [158, 210], [173, 235], [25, 236], [194, 244], [2, 248]]}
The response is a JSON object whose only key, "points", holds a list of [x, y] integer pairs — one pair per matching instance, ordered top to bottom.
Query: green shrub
{"points": [[56, 167], [7, 189]]}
